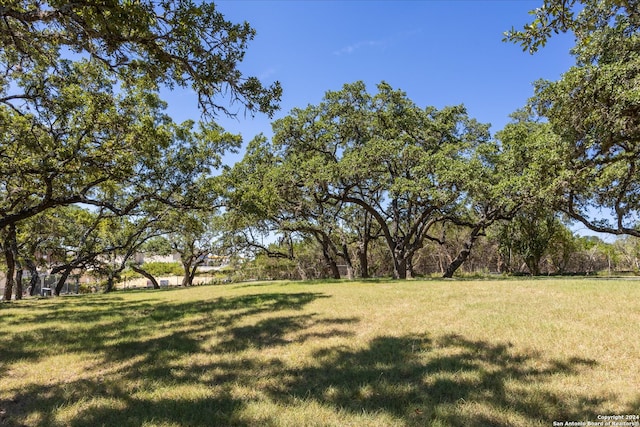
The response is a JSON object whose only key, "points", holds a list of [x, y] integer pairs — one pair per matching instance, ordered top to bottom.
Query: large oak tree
{"points": [[399, 163]]}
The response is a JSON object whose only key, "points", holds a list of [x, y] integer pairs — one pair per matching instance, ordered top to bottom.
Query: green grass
{"points": [[439, 353]]}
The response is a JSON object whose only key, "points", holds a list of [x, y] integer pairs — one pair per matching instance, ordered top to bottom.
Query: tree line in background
{"points": [[363, 184], [499, 252]]}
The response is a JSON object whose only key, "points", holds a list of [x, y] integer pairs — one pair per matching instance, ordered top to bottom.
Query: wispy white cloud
{"points": [[347, 50], [267, 73]]}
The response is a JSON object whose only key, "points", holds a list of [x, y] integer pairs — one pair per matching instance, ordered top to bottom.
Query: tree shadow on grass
{"points": [[42, 310], [120, 327], [137, 343], [417, 380], [450, 381], [129, 411]]}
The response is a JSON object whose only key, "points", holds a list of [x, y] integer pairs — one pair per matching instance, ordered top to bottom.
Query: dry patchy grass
{"points": [[439, 353]]}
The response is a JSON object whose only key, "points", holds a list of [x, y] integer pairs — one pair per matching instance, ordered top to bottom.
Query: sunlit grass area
{"points": [[440, 353]]}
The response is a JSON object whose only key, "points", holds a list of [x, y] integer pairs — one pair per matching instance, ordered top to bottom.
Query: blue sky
{"points": [[439, 52]]}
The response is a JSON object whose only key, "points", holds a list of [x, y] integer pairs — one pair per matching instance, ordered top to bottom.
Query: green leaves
{"points": [[173, 43], [594, 109], [80, 115], [81, 121], [405, 166]]}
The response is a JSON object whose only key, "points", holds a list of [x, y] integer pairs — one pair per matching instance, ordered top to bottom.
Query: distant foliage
{"points": [[159, 269]]}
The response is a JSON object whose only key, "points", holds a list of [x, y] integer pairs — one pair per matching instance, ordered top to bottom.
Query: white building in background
{"points": [[141, 258], [211, 261]]}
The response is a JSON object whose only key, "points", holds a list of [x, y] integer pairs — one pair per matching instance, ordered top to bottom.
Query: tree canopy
{"points": [[174, 43], [594, 108], [80, 115], [81, 120], [406, 167]]}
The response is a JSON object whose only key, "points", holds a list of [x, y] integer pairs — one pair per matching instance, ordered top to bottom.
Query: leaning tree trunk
{"points": [[463, 254], [329, 260], [347, 260], [457, 262], [331, 263], [301, 271], [335, 271], [146, 274], [192, 274], [63, 279]]}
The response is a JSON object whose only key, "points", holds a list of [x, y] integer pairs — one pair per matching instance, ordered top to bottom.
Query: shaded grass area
{"points": [[337, 353]]}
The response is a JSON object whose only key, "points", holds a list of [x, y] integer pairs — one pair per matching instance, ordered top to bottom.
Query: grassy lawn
{"points": [[440, 353]]}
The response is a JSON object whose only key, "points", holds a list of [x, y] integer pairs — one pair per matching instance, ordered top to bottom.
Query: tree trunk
{"points": [[363, 247], [344, 254], [463, 254], [9, 255], [440, 257], [363, 259], [329, 260], [348, 262], [457, 262], [533, 264], [18, 265], [190, 266], [399, 266], [186, 268], [301, 271], [335, 271], [410, 272], [10, 273], [146, 274], [192, 274], [35, 278], [63, 278], [110, 283], [18, 284]]}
